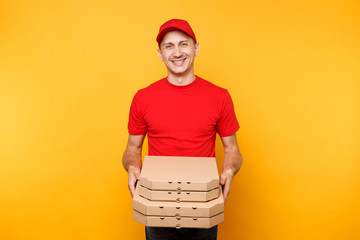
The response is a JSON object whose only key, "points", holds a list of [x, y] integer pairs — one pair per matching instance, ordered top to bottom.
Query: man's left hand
{"points": [[225, 181]]}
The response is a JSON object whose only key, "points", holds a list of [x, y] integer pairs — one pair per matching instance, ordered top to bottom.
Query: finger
{"points": [[132, 183], [131, 188], [227, 189], [225, 193]]}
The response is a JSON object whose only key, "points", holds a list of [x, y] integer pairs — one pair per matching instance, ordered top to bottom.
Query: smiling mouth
{"points": [[178, 62]]}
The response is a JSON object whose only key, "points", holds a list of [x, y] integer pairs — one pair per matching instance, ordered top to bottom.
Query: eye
{"points": [[184, 44], [168, 46]]}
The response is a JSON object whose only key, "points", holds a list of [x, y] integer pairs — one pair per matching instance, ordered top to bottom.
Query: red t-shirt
{"points": [[182, 120]]}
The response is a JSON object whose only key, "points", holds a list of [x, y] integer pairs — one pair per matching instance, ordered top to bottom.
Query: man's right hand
{"points": [[133, 177]]}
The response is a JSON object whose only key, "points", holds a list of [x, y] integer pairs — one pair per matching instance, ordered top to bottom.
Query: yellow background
{"points": [[68, 72]]}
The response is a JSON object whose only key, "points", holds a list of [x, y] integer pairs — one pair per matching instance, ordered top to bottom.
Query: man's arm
{"points": [[132, 160], [232, 162]]}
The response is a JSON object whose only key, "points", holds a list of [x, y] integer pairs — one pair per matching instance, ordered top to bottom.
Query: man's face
{"points": [[178, 51]]}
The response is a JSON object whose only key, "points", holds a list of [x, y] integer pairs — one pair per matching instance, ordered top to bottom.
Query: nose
{"points": [[177, 51]]}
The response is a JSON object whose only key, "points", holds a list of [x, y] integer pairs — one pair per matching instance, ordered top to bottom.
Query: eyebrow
{"points": [[173, 43]]}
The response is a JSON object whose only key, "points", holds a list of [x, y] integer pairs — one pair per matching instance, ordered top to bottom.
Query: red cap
{"points": [[175, 24]]}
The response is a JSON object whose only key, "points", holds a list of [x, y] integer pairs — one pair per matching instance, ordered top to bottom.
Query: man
{"points": [[181, 115]]}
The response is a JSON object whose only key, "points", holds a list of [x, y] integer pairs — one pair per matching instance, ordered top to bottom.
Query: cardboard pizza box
{"points": [[179, 173], [179, 196], [183, 209], [178, 222]]}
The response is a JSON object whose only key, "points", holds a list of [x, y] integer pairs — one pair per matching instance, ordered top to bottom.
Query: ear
{"points": [[197, 49], [160, 55]]}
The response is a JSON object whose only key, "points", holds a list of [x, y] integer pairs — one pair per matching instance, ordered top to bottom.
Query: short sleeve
{"points": [[137, 124], [227, 124]]}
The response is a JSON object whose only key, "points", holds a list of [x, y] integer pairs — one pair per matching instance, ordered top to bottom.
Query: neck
{"points": [[181, 79]]}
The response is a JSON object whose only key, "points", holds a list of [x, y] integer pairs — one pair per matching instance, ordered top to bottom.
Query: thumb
{"points": [[137, 175], [222, 179]]}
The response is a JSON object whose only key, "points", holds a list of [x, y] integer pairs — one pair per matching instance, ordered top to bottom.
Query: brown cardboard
{"points": [[179, 173], [179, 196], [183, 209], [178, 222]]}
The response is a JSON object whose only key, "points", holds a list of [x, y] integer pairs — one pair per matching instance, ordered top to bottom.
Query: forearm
{"points": [[132, 158], [232, 160], [232, 163]]}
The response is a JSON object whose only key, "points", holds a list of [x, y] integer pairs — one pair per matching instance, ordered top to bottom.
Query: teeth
{"points": [[178, 61]]}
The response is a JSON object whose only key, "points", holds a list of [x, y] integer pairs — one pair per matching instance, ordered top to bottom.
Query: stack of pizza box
{"points": [[179, 192]]}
